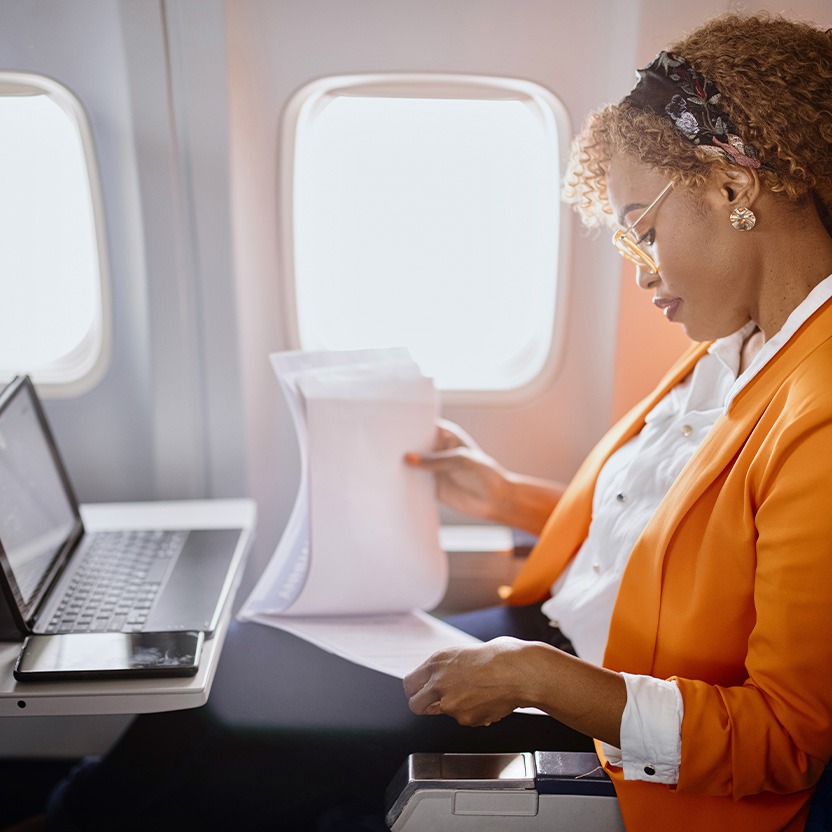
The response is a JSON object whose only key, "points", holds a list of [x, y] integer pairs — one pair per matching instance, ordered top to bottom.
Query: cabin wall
{"points": [[71, 44], [166, 421]]}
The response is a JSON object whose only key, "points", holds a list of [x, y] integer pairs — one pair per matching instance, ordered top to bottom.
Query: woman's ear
{"points": [[737, 186]]}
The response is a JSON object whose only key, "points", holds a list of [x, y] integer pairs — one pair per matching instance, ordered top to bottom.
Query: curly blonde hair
{"points": [[775, 80]]}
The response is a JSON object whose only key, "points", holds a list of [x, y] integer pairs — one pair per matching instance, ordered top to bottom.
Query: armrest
{"points": [[552, 791]]}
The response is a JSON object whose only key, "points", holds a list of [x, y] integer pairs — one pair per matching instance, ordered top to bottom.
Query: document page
{"points": [[363, 537], [391, 644]]}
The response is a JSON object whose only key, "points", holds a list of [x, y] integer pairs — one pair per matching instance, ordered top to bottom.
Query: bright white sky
{"points": [[431, 224], [49, 281]]}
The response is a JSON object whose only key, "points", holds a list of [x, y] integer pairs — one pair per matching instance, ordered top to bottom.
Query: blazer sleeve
{"points": [[774, 732]]}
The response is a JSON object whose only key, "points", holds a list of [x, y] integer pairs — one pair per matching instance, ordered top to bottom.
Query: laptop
{"points": [[56, 577]]}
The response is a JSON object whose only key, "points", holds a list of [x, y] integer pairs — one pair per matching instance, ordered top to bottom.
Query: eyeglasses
{"points": [[629, 248]]}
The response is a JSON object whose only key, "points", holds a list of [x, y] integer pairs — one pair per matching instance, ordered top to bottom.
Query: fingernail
{"points": [[412, 457]]}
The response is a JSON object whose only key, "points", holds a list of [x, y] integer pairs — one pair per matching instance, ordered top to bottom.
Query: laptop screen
{"points": [[38, 515]]}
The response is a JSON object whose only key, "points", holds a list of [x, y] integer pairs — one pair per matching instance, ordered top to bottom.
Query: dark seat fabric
{"points": [[290, 736], [25, 786], [820, 814]]}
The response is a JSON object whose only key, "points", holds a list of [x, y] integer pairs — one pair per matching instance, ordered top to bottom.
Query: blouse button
{"points": [[687, 430], [621, 497], [596, 567], [649, 771]]}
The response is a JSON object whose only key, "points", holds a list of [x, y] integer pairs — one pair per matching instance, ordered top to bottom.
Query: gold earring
{"points": [[742, 219]]}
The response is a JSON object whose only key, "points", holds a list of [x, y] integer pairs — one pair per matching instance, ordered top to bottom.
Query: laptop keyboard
{"points": [[117, 581]]}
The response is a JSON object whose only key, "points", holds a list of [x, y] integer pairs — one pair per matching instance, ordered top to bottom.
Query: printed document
{"points": [[360, 558]]}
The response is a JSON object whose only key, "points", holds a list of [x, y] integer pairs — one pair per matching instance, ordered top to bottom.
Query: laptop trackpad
{"points": [[193, 597]]}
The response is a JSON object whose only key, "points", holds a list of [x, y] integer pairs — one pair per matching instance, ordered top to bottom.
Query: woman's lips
{"points": [[669, 306]]}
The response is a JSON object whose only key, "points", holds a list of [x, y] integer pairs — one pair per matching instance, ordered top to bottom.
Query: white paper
{"points": [[363, 536], [391, 644]]}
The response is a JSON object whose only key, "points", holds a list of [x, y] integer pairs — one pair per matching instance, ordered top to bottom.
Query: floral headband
{"points": [[671, 86]]}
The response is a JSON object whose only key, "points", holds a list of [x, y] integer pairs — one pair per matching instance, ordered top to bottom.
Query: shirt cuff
{"points": [[651, 731]]}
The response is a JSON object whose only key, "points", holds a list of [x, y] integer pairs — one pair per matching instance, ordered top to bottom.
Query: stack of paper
{"points": [[360, 556]]}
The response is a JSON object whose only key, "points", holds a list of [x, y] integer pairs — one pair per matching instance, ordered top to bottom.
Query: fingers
{"points": [[451, 435], [448, 436], [450, 444], [437, 460], [416, 679], [422, 695], [421, 698], [425, 703], [471, 713]]}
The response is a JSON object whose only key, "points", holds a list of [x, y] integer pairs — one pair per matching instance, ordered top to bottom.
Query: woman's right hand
{"points": [[467, 479], [470, 481]]}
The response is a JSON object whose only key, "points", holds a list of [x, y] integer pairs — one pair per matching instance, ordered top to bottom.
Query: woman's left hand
{"points": [[481, 684], [476, 685]]}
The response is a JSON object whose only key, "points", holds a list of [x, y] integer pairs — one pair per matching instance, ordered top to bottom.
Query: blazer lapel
{"points": [[633, 631]]}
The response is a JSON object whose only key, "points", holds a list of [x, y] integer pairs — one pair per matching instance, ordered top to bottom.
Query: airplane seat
{"points": [[553, 791], [526, 792], [820, 815]]}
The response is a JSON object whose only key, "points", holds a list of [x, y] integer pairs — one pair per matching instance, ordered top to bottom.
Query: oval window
{"points": [[424, 212], [52, 277]]}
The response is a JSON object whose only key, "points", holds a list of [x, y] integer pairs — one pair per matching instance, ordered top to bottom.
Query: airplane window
{"points": [[425, 213], [51, 284]]}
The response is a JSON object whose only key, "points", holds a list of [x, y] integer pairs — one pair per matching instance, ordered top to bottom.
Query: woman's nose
{"points": [[646, 279]]}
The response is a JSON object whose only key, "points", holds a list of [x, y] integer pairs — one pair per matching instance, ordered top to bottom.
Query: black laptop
{"points": [[57, 578]]}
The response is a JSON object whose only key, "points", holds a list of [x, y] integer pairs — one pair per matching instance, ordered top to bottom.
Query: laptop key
{"points": [[117, 584]]}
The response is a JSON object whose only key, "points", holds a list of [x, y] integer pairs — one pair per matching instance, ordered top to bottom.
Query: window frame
{"points": [[307, 101], [78, 371]]}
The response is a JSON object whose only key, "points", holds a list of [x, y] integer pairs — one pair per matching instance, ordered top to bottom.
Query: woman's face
{"points": [[704, 279]]}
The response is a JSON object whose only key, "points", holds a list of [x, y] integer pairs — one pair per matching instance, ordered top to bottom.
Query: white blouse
{"points": [[630, 487]]}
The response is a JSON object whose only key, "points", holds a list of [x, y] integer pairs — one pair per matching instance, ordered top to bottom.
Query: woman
{"points": [[697, 540], [691, 553]]}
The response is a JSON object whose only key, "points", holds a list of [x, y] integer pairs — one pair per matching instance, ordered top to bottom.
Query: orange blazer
{"points": [[729, 592]]}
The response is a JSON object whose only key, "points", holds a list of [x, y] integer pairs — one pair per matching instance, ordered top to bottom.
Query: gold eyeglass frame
{"points": [[629, 248]]}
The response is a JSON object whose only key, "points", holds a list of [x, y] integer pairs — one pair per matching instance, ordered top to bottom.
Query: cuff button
{"points": [[649, 771]]}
